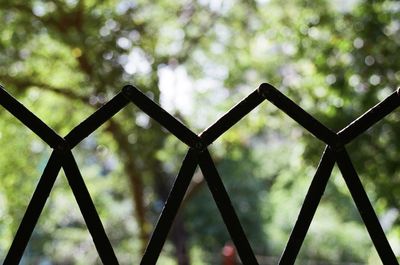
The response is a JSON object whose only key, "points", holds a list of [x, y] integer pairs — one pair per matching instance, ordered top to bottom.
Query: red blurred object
{"points": [[229, 254]]}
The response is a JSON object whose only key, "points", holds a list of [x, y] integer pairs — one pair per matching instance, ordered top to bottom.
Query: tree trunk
{"points": [[135, 180], [178, 234], [179, 238]]}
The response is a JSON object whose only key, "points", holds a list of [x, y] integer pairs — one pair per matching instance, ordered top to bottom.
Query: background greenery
{"points": [[64, 59]]}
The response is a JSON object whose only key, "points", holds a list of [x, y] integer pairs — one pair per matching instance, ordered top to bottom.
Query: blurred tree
{"points": [[85, 51], [69, 57]]}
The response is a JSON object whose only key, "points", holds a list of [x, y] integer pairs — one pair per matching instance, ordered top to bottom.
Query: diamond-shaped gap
{"points": [[32, 99], [140, 103], [171, 157], [24, 158], [150, 164], [285, 172], [240, 174], [105, 177], [199, 179], [285, 191], [222, 201], [362, 202], [242, 204], [189, 217], [204, 222], [337, 233], [61, 234], [289, 249]]}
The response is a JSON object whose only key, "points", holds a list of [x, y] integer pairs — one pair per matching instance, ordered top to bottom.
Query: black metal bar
{"points": [[298, 114], [163, 117], [230, 118], [369, 118], [29, 119], [95, 120], [198, 154], [309, 207], [171, 208], [365, 208], [88, 209], [226, 209], [34, 210]]}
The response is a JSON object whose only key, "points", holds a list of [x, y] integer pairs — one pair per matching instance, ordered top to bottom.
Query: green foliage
{"points": [[64, 59], [238, 169]]}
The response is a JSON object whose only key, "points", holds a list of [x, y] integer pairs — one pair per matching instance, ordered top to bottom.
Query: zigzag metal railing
{"points": [[198, 154]]}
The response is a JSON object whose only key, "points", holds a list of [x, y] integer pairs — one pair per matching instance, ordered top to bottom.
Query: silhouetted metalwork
{"points": [[198, 155]]}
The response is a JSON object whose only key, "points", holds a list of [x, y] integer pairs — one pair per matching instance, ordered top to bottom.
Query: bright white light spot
{"points": [[263, 2], [71, 3], [214, 5], [123, 6], [344, 6], [39, 9], [111, 24], [392, 28], [104, 31], [314, 32], [134, 35], [224, 35], [124, 43], [358, 43], [217, 48], [289, 48], [108, 55], [346, 58], [369, 60], [135, 62], [130, 68], [251, 75], [290, 76], [330, 79], [354, 80], [374, 80], [361, 88], [176, 89], [320, 92], [384, 93], [33, 95], [338, 102], [142, 120], [132, 139], [37, 147], [388, 218]]}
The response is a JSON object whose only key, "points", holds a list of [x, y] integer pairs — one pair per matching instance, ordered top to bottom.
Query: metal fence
{"points": [[198, 155]]}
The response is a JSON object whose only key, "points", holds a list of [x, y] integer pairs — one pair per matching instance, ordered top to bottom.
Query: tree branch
{"points": [[25, 84], [119, 136]]}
